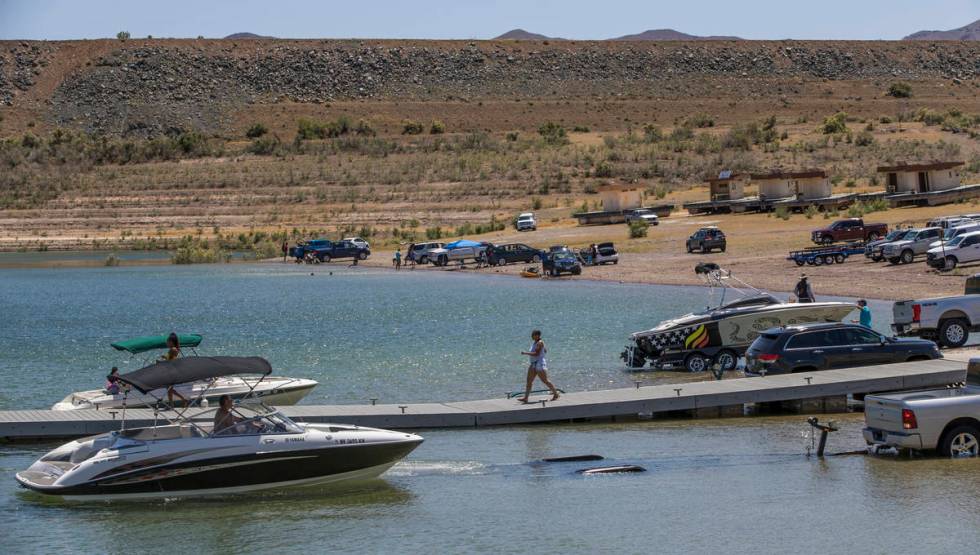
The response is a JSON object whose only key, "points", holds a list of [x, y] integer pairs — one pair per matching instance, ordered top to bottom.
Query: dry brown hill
{"points": [[967, 32], [670, 34], [150, 87]]}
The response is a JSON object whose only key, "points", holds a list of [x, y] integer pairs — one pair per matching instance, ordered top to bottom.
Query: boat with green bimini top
{"points": [[272, 390]]}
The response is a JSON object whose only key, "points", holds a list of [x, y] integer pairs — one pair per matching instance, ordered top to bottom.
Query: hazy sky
{"points": [[437, 19]]}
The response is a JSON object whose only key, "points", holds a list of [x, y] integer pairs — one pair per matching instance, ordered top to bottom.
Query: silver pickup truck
{"points": [[946, 320], [947, 420]]}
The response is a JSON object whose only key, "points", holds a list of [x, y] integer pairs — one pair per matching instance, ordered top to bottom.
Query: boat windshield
{"points": [[758, 300], [249, 420]]}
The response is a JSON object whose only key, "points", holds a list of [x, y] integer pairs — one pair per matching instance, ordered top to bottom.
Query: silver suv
{"points": [[912, 245], [422, 252], [443, 256]]}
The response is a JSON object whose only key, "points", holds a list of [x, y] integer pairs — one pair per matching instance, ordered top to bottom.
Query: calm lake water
{"points": [[741, 485]]}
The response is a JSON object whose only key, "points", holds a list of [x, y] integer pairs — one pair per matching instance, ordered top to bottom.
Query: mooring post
{"points": [[637, 382], [678, 390], [374, 401], [403, 407], [824, 430]]}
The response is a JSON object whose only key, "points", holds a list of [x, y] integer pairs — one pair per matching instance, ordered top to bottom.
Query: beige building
{"points": [[921, 178], [803, 185], [728, 186], [616, 196]]}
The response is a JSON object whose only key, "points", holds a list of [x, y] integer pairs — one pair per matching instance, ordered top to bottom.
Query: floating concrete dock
{"points": [[808, 392]]}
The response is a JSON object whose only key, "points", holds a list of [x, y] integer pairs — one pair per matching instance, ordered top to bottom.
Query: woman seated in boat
{"points": [[112, 382], [224, 418]]}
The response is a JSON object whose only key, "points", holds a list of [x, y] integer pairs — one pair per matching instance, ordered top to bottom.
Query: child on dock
{"points": [[538, 367]]}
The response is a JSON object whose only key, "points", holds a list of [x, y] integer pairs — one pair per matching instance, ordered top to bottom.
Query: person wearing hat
{"points": [[803, 290]]}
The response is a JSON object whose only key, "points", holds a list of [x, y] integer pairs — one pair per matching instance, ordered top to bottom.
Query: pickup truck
{"points": [[644, 214], [851, 229], [873, 249], [324, 250], [905, 250], [443, 256], [947, 320], [947, 419]]}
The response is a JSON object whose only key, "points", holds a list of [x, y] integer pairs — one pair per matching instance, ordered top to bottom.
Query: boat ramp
{"points": [[811, 392]]}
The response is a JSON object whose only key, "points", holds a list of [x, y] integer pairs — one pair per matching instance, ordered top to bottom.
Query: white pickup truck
{"points": [[946, 320], [947, 420]]}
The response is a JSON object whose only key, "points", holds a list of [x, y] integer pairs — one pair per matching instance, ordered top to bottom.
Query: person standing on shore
{"points": [[285, 249], [397, 260], [803, 290], [865, 314], [538, 367]]}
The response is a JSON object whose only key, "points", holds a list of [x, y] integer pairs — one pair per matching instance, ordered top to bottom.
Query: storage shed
{"points": [[925, 177], [804, 185], [728, 186], [620, 196]]}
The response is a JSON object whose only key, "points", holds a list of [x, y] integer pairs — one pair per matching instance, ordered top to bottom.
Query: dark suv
{"points": [[706, 239], [513, 252], [561, 262], [808, 347]]}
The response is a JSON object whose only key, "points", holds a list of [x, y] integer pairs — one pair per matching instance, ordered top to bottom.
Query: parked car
{"points": [[644, 214], [948, 221], [526, 222], [851, 229], [953, 232], [707, 239], [359, 242], [913, 244], [964, 248], [325, 250], [872, 250], [422, 251], [460, 251], [605, 254], [500, 255], [561, 262], [948, 320], [823, 346], [946, 419]]}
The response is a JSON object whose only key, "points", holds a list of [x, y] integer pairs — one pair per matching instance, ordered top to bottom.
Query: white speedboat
{"points": [[721, 334], [272, 390], [261, 449]]}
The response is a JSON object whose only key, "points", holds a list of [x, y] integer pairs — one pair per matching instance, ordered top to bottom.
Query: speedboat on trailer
{"points": [[720, 334], [273, 390], [186, 456]]}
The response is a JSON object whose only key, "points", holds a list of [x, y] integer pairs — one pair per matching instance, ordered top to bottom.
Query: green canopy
{"points": [[142, 344]]}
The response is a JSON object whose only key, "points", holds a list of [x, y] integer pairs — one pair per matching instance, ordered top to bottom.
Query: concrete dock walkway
{"points": [[812, 391]]}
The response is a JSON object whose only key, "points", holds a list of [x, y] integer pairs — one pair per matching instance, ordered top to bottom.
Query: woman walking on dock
{"points": [[538, 367]]}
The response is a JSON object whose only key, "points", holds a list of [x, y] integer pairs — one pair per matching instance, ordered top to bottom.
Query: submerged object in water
{"points": [[575, 458], [612, 469]]}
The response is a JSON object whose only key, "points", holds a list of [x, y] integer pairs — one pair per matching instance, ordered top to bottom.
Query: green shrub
{"points": [[122, 35], [900, 90], [700, 121], [835, 124], [410, 127], [437, 128], [311, 129], [364, 129], [581, 129], [256, 131], [652, 133], [553, 134], [512, 136], [864, 138], [264, 146], [603, 169], [536, 203], [782, 212], [810, 212], [638, 228], [433, 233], [111, 260]]}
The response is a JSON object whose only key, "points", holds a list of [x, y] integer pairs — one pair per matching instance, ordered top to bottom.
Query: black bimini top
{"points": [[192, 369]]}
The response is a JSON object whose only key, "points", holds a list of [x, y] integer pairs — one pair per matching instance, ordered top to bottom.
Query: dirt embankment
{"points": [[150, 86]]}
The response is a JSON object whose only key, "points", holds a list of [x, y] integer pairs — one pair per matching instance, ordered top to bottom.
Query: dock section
{"points": [[811, 391]]}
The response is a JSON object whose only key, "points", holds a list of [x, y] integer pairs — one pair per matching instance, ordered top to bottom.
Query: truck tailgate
{"points": [[902, 312], [883, 414]]}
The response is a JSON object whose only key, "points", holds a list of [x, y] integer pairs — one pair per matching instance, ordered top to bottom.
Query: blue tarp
{"points": [[462, 243]]}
